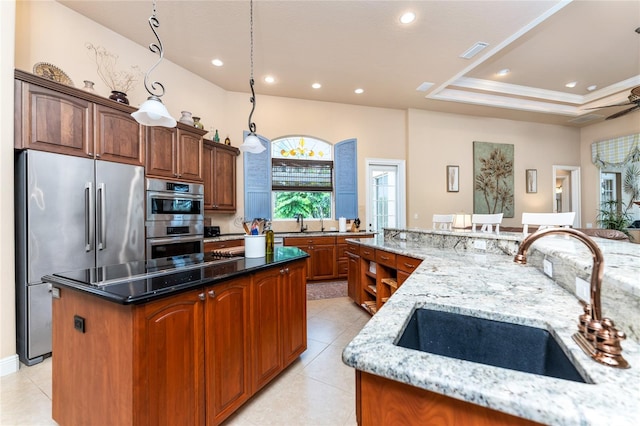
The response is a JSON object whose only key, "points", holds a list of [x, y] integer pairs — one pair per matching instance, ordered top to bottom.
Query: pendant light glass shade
{"points": [[153, 113], [252, 145]]}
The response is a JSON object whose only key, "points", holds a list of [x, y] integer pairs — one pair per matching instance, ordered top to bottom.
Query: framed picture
{"points": [[493, 178], [453, 179], [532, 181]]}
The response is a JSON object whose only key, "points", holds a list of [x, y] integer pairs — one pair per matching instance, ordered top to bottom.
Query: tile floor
{"points": [[317, 389]]}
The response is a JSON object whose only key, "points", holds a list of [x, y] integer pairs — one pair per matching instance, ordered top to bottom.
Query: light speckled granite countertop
{"points": [[230, 237], [491, 285]]}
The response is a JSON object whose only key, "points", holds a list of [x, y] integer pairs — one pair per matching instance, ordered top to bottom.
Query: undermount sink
{"points": [[500, 344]]}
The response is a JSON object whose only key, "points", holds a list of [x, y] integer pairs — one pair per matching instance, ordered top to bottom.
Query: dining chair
{"points": [[547, 220], [443, 221], [488, 221]]}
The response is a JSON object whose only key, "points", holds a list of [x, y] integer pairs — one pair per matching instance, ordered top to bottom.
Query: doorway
{"points": [[566, 191], [385, 194]]}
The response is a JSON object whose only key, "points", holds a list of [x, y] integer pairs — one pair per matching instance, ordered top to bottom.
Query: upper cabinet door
{"points": [[54, 122], [119, 137], [161, 152], [189, 156], [224, 182]]}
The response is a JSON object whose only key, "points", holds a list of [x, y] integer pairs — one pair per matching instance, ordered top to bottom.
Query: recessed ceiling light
{"points": [[408, 18], [474, 50], [217, 62], [503, 72], [269, 79], [571, 84], [316, 85], [592, 88], [359, 91]]}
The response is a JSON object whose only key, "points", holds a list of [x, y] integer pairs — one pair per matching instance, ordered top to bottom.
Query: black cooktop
{"points": [[138, 282]]}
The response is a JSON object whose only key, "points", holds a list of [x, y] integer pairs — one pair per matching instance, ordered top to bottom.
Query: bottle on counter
{"points": [[269, 241]]}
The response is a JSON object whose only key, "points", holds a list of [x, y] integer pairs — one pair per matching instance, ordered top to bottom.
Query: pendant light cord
{"points": [[155, 48], [252, 126]]}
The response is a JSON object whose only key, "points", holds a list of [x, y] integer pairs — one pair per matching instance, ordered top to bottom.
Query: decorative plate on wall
{"points": [[52, 72]]}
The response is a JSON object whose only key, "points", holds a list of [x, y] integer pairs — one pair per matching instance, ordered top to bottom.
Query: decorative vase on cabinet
{"points": [[88, 86], [119, 97], [186, 118], [197, 124]]}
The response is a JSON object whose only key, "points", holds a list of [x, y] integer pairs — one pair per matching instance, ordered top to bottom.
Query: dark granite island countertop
{"points": [[144, 281]]}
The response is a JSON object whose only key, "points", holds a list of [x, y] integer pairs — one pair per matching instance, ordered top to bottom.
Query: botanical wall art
{"points": [[493, 178], [453, 180], [532, 181]]}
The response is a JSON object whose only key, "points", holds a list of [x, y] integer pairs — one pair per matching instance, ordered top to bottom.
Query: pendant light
{"points": [[152, 112], [251, 143]]}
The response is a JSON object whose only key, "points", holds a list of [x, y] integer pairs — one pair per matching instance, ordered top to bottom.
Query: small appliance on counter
{"points": [[211, 231]]}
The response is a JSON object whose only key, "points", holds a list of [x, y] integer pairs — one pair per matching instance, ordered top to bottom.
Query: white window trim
{"points": [[402, 188]]}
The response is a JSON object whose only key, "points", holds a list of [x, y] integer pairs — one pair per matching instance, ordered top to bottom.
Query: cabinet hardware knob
{"points": [[408, 265], [286, 270], [211, 293], [201, 296]]}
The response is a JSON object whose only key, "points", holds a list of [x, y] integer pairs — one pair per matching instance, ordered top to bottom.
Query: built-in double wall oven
{"points": [[174, 219]]}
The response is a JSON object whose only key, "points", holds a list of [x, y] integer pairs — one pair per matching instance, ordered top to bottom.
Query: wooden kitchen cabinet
{"points": [[56, 118], [52, 121], [118, 137], [174, 153], [219, 172], [321, 262], [406, 265], [375, 274], [353, 276], [294, 318], [279, 320], [267, 329], [227, 348], [187, 359], [173, 372]]}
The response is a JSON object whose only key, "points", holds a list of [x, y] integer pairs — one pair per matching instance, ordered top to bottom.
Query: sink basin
{"points": [[500, 344]]}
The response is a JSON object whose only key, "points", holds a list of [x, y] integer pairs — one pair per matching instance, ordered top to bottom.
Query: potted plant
{"points": [[611, 216]]}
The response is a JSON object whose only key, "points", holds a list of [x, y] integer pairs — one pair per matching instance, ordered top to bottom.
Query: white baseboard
{"points": [[8, 365]]}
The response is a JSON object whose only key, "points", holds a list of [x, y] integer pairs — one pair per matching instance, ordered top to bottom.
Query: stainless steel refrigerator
{"points": [[71, 213]]}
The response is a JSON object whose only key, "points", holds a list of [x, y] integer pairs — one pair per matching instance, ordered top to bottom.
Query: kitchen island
{"points": [[186, 344], [396, 385]]}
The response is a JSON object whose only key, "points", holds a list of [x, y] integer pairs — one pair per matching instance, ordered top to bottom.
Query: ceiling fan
{"points": [[634, 99]]}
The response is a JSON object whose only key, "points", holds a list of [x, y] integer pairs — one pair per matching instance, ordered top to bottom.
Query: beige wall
{"points": [[626, 125], [380, 132], [440, 139], [428, 141], [7, 279]]}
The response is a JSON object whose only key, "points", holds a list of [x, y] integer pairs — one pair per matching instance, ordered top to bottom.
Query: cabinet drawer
{"points": [[308, 241], [217, 245], [353, 249], [341, 253], [368, 253], [386, 258], [407, 264]]}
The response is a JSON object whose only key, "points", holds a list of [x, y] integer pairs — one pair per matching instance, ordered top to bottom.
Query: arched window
{"points": [[301, 177]]}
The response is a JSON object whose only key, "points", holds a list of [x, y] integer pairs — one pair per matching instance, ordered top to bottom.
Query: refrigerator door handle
{"points": [[102, 217], [89, 228]]}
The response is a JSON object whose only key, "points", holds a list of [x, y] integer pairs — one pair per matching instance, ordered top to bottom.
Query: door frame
{"points": [[401, 188], [576, 201]]}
